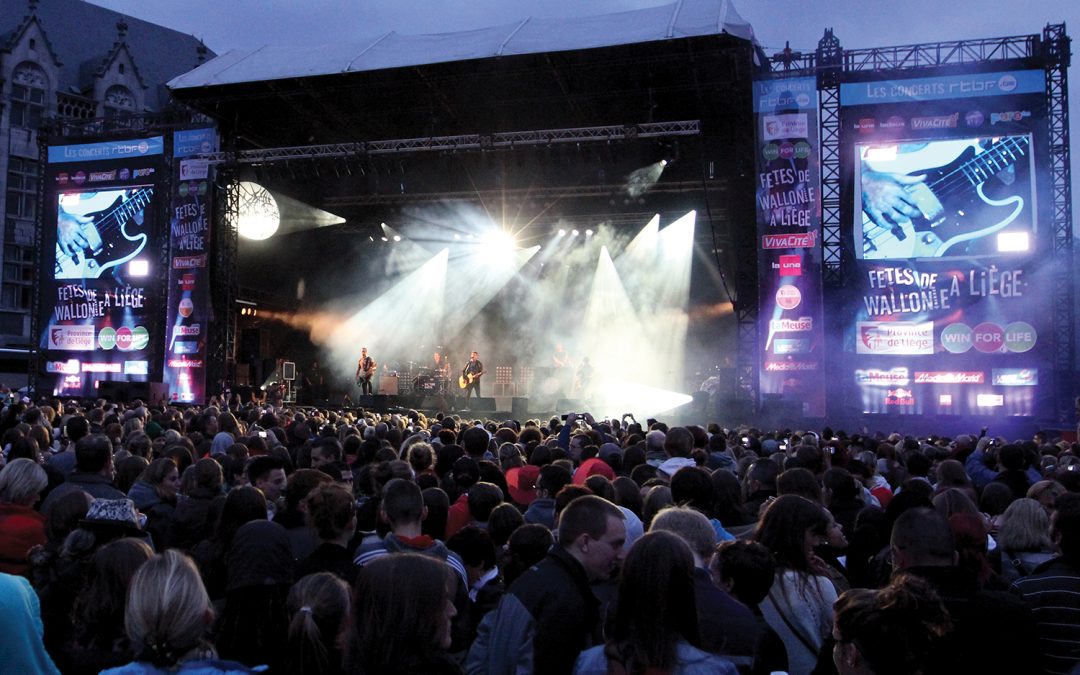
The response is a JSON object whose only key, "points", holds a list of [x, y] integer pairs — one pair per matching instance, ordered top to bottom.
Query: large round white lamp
{"points": [[258, 212]]}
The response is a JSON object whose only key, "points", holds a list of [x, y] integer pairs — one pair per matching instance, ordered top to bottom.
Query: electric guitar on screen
{"points": [[952, 200], [109, 242]]}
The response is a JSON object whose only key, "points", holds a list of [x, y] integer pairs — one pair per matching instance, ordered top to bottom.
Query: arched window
{"points": [[28, 86], [119, 101]]}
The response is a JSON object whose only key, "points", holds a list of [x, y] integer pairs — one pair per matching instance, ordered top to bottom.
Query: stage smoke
{"points": [[641, 180]]}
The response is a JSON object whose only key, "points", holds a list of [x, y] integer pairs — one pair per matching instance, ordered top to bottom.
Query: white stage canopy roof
{"points": [[681, 19]]}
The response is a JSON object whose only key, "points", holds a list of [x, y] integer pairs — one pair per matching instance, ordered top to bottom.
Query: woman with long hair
{"points": [[154, 495], [241, 506], [799, 605], [319, 608], [402, 608], [166, 619], [655, 625], [99, 641]]}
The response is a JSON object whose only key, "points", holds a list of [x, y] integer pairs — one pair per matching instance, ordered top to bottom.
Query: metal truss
{"points": [[1057, 52], [953, 53], [830, 58], [462, 142], [561, 192], [42, 266], [221, 335]]}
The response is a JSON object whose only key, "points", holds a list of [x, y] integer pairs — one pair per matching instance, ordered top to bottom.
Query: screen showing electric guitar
{"points": [[944, 198], [97, 231]]}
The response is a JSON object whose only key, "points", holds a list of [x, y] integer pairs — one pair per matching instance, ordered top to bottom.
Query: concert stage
{"points": [[564, 196]]}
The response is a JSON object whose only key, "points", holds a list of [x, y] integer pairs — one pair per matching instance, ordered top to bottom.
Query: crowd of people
{"points": [[140, 539]]}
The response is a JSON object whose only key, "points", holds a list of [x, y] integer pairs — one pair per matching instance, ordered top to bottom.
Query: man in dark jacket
{"points": [[93, 472], [550, 614], [993, 631]]}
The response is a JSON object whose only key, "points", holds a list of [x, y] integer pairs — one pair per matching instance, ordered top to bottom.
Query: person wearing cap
{"points": [[594, 466], [465, 473], [522, 483]]}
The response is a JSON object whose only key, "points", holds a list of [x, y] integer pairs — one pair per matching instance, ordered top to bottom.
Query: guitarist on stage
{"points": [[365, 370], [470, 376]]}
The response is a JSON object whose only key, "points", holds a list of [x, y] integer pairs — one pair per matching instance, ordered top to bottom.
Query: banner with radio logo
{"points": [[188, 310], [790, 330]]}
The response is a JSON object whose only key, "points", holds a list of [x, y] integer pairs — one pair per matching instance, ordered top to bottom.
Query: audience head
{"points": [[790, 528], [592, 531], [318, 606], [402, 608], [656, 608], [168, 611], [890, 631]]}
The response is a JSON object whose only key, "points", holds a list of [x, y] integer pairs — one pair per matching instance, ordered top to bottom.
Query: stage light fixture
{"points": [[885, 153], [258, 215], [562, 232], [574, 233], [588, 233], [457, 236], [397, 237], [384, 238], [500, 242], [1012, 242], [139, 268]]}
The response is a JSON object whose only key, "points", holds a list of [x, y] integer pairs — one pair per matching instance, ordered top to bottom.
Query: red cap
{"points": [[592, 467], [522, 483]]}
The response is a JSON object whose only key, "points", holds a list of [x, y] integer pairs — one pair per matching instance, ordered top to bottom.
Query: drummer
{"points": [[440, 365]]}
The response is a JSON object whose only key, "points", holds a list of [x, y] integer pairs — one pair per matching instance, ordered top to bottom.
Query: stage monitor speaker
{"points": [[114, 390], [376, 402], [437, 403], [482, 404], [569, 405], [519, 407]]}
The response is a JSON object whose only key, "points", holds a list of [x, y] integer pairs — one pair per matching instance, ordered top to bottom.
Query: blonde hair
{"points": [[20, 480], [1024, 527], [168, 610]]}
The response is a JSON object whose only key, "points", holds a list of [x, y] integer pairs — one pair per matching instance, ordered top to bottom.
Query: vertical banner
{"points": [[944, 196], [189, 268], [100, 297], [791, 337]]}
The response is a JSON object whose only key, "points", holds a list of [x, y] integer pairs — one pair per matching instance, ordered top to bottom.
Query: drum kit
{"points": [[416, 379]]}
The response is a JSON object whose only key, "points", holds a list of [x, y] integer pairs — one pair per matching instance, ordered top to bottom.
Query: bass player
{"points": [[365, 370]]}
